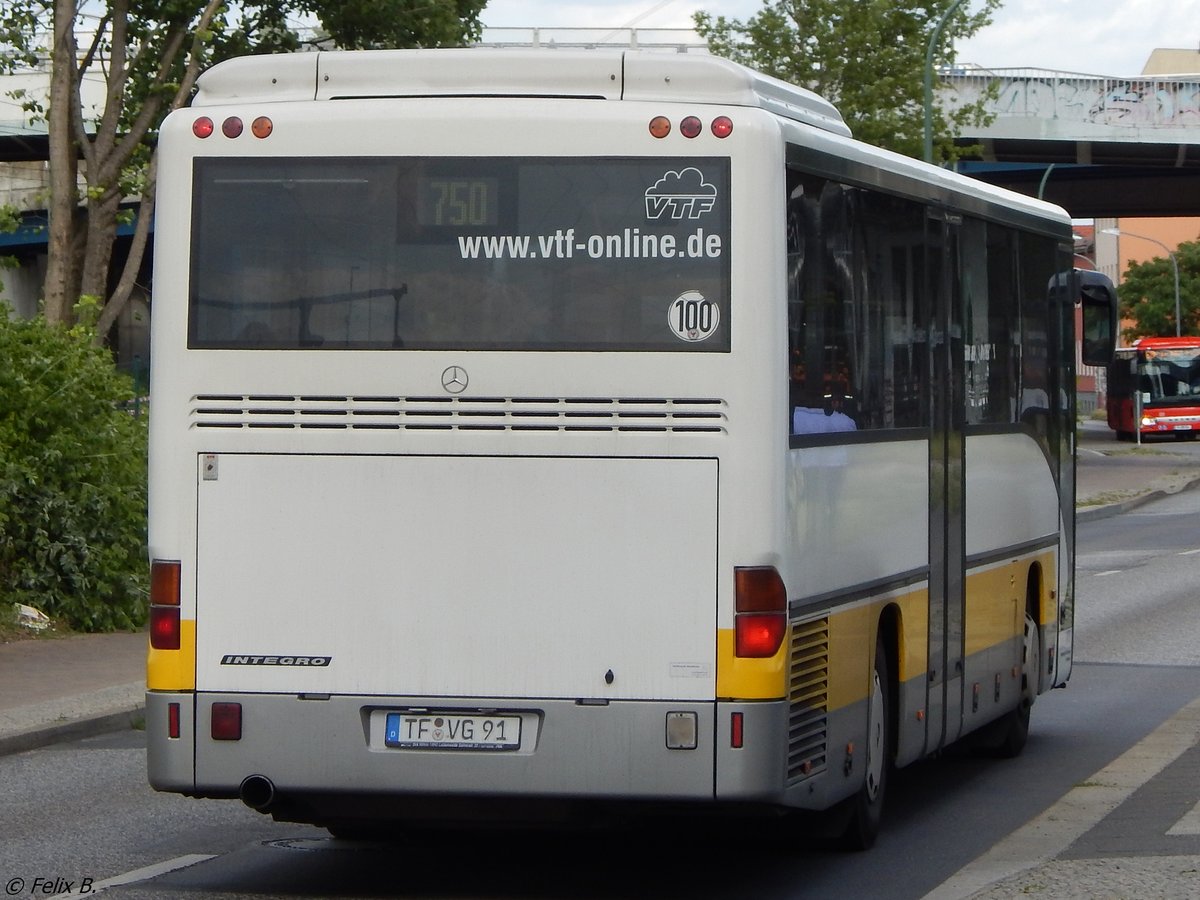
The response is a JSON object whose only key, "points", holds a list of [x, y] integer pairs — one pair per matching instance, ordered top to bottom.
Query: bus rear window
{"points": [[460, 254]]}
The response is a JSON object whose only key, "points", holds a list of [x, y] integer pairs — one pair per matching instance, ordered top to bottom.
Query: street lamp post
{"points": [[933, 38], [1174, 265]]}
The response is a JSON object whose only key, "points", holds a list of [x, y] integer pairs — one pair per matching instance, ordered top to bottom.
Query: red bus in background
{"points": [[1155, 382]]}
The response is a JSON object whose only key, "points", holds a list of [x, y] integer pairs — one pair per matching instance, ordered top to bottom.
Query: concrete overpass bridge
{"points": [[1096, 145], [1100, 146]]}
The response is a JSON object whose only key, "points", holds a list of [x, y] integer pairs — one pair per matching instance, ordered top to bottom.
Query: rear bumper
{"points": [[335, 746]]}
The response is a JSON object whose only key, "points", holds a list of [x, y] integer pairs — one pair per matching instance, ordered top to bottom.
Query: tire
{"points": [[1006, 737], [865, 808], [359, 831]]}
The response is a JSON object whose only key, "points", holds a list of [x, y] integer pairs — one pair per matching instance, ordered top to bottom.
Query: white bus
{"points": [[542, 430]]}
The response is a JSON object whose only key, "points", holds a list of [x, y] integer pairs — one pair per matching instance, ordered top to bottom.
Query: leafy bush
{"points": [[72, 479]]}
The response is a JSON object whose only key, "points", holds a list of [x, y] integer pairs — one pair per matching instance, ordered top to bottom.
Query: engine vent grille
{"points": [[625, 414], [808, 696]]}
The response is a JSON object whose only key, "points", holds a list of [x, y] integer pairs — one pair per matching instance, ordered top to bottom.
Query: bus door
{"points": [[1062, 443], [947, 487]]}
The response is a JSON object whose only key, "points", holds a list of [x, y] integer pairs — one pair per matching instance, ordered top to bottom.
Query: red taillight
{"points": [[722, 126], [202, 127], [691, 127], [760, 602], [164, 604], [164, 627], [759, 635], [227, 721]]}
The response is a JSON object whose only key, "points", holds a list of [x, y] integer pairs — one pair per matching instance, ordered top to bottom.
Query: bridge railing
{"points": [[1136, 102]]}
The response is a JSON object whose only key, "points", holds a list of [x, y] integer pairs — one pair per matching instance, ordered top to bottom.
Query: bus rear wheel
{"points": [[1006, 737], [865, 808]]}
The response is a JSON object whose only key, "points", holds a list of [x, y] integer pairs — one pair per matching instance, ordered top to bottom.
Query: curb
{"points": [[1111, 509], [76, 729]]}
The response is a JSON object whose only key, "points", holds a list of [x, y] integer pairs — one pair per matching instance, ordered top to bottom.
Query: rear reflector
{"points": [[173, 720], [227, 721], [681, 730], [735, 730]]}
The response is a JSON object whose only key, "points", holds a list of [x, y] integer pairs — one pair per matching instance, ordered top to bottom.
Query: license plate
{"points": [[1183, 427], [452, 732]]}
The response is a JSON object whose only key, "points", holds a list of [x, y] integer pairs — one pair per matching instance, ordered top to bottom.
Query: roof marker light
{"points": [[660, 126], [722, 126], [202, 127], [691, 127]]}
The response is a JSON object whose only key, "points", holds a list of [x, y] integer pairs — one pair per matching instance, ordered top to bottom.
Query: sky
{"points": [[1094, 37]]}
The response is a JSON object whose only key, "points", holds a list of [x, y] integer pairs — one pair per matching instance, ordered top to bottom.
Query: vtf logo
{"points": [[680, 195]]}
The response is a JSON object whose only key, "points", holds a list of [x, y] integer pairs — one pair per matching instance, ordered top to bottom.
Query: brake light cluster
{"points": [[692, 126], [232, 127], [760, 604], [164, 605]]}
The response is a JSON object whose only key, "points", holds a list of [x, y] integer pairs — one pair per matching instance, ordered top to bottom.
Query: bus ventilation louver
{"points": [[687, 415], [808, 696]]}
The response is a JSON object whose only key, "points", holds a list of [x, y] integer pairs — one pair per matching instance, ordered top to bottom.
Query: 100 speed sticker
{"points": [[693, 317]]}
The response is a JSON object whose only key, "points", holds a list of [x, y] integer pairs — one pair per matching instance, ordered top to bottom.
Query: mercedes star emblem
{"points": [[454, 379]]}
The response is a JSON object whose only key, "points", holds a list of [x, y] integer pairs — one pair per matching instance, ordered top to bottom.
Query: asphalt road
{"points": [[83, 810]]}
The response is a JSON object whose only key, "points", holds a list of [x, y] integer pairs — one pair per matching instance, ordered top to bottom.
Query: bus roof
{"points": [[477, 72]]}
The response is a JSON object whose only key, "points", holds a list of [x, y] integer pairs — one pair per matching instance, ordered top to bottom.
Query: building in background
{"points": [[24, 184]]}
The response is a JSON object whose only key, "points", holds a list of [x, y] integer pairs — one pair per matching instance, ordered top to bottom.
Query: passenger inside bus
{"points": [[817, 414]]}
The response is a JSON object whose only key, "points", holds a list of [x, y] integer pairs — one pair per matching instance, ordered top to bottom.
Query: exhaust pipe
{"points": [[257, 792]]}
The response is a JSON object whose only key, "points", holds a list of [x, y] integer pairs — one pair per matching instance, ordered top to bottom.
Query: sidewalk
{"points": [[1113, 476], [54, 690]]}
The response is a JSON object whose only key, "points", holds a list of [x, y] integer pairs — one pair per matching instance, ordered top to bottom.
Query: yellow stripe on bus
{"points": [[996, 602], [174, 670], [749, 679]]}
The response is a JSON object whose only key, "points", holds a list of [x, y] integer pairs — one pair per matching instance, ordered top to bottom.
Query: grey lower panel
{"points": [[336, 744], [170, 762]]}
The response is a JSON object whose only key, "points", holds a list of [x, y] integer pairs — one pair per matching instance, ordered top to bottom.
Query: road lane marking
{"points": [[1188, 552], [1109, 572], [1189, 824], [1040, 840], [143, 874]]}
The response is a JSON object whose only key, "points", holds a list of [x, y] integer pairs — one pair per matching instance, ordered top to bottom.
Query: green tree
{"points": [[149, 53], [867, 57], [1147, 294], [72, 479]]}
